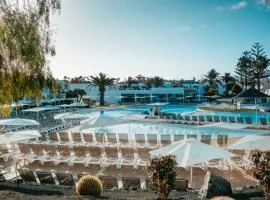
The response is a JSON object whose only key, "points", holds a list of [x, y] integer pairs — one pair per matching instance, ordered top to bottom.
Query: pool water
{"points": [[177, 109], [189, 109], [166, 128]]}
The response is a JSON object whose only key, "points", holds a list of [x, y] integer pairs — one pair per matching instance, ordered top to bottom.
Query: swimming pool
{"points": [[182, 108], [190, 109], [165, 128]]}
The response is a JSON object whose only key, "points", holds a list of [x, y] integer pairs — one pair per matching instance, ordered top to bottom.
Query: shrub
{"points": [[236, 89], [211, 91], [261, 169], [162, 171], [89, 185], [222, 198]]}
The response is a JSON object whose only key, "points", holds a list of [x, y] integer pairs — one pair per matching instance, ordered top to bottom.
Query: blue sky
{"points": [[170, 38]]}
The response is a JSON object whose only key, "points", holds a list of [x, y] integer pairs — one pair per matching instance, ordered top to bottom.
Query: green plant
{"points": [[25, 47], [101, 81], [236, 89], [210, 91], [261, 169], [162, 171], [89, 185]]}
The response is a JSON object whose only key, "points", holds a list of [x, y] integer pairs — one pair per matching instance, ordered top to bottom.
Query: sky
{"points": [[173, 39]]}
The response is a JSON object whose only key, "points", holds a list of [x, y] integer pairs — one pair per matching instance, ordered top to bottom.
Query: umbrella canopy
{"points": [[251, 93], [214, 96], [121, 97], [139, 97], [78, 104], [157, 104], [64, 105], [50, 107], [253, 107], [41, 109], [69, 116], [73, 116], [103, 120], [18, 122], [227, 125], [13, 137], [252, 142], [191, 152]]}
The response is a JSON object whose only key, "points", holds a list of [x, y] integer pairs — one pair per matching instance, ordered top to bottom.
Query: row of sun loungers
{"points": [[171, 117], [60, 126], [154, 140], [84, 154], [125, 176], [67, 179]]}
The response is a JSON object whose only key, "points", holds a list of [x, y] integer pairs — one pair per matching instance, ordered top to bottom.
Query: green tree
{"points": [[25, 46], [260, 62], [243, 70], [212, 77], [227, 78], [101, 81], [129, 81], [158, 81], [154, 82], [236, 89], [210, 91], [79, 93], [70, 94], [261, 169]]}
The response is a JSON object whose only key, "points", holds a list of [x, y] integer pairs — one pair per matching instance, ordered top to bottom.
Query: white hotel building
{"points": [[168, 93]]}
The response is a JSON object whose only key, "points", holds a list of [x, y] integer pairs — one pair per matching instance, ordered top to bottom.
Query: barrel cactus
{"points": [[89, 185]]}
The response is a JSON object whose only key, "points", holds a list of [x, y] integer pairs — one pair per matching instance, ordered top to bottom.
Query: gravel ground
{"points": [[31, 192]]}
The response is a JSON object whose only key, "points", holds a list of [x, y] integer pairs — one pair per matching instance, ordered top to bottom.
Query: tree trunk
{"points": [[259, 84], [226, 92], [101, 103], [267, 191]]}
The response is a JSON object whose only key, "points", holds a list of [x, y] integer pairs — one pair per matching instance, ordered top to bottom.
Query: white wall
{"points": [[111, 94]]}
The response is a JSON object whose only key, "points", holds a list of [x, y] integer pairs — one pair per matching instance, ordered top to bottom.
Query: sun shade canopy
{"points": [[18, 122], [13, 137], [252, 142], [191, 152]]}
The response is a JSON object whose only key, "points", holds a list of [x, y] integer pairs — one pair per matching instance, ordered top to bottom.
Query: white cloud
{"points": [[264, 2], [240, 5]]}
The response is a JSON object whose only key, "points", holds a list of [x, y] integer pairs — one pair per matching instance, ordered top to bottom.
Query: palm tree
{"points": [[212, 77], [227, 78], [101, 81], [129, 81], [158, 81], [155, 82], [79, 93]]}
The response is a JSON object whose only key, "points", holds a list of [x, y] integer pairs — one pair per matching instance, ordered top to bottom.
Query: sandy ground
{"points": [[30, 192]]}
